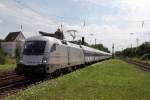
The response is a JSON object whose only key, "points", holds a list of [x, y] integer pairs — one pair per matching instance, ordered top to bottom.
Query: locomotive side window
{"points": [[34, 47], [53, 48]]}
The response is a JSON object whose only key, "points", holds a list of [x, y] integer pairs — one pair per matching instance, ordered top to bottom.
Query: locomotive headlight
{"points": [[20, 60], [44, 60]]}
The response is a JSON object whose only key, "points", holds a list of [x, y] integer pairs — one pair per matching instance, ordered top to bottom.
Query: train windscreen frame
{"points": [[34, 47]]}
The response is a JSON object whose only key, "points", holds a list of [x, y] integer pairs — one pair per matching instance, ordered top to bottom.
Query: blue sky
{"points": [[110, 21]]}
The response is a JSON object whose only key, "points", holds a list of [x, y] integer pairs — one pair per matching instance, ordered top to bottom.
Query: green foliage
{"points": [[97, 46], [100, 47], [143, 49], [140, 51], [130, 52], [17, 53], [145, 57], [3, 58], [6, 63], [8, 66], [108, 80]]}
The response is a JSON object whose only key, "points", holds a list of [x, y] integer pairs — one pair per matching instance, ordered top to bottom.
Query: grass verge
{"points": [[6, 63], [7, 67], [108, 80]]}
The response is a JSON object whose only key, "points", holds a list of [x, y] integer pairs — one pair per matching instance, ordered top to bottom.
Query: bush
{"points": [[142, 51], [17, 53], [145, 57], [2, 58]]}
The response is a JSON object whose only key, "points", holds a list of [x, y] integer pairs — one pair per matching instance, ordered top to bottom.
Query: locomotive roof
{"points": [[36, 38], [52, 40], [60, 42]]}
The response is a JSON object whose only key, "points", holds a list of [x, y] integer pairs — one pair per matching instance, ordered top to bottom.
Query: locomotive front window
{"points": [[34, 47]]}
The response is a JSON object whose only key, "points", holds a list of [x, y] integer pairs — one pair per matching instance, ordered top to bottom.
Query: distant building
{"points": [[11, 42]]}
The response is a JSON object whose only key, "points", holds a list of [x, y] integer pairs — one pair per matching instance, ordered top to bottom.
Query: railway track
{"points": [[141, 65], [7, 73], [4, 81], [11, 83]]}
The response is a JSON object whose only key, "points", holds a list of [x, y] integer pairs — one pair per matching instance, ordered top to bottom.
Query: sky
{"points": [[107, 21]]}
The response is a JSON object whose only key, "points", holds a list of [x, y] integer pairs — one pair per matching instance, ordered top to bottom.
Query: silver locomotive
{"points": [[44, 55]]}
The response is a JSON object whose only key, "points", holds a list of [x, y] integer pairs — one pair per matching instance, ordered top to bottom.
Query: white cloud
{"points": [[97, 2], [2, 5], [137, 9], [28, 16], [1, 20], [116, 28]]}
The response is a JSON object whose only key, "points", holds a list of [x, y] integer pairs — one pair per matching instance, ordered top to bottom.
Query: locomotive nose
{"points": [[32, 60]]}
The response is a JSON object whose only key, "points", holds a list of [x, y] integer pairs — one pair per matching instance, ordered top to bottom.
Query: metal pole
{"points": [[21, 27], [95, 41], [137, 41], [113, 51]]}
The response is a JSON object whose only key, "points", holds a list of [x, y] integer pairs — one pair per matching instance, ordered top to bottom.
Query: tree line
{"points": [[98, 47], [142, 51]]}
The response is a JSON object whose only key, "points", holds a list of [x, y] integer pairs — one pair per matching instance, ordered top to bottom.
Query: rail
{"points": [[142, 65]]}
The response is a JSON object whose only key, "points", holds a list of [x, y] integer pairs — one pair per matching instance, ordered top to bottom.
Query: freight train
{"points": [[44, 55]]}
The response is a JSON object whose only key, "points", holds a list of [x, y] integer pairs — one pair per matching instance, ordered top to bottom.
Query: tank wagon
{"points": [[44, 55]]}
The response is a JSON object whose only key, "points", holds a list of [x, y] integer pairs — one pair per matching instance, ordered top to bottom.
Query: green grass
{"points": [[6, 63], [6, 67], [108, 80]]}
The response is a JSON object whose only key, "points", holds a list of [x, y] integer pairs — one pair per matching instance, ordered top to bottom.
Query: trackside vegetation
{"points": [[141, 52], [6, 63], [7, 67], [107, 80]]}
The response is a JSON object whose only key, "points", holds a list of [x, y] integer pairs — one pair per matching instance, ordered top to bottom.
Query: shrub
{"points": [[17, 53], [145, 57], [2, 58]]}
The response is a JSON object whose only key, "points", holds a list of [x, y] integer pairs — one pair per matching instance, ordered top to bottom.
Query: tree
{"points": [[97, 46], [100, 47], [141, 51], [17, 52], [2, 57]]}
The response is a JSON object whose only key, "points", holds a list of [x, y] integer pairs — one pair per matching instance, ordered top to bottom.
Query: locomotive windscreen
{"points": [[34, 47]]}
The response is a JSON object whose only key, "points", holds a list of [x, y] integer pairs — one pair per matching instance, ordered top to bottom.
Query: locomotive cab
{"points": [[42, 55], [35, 56]]}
